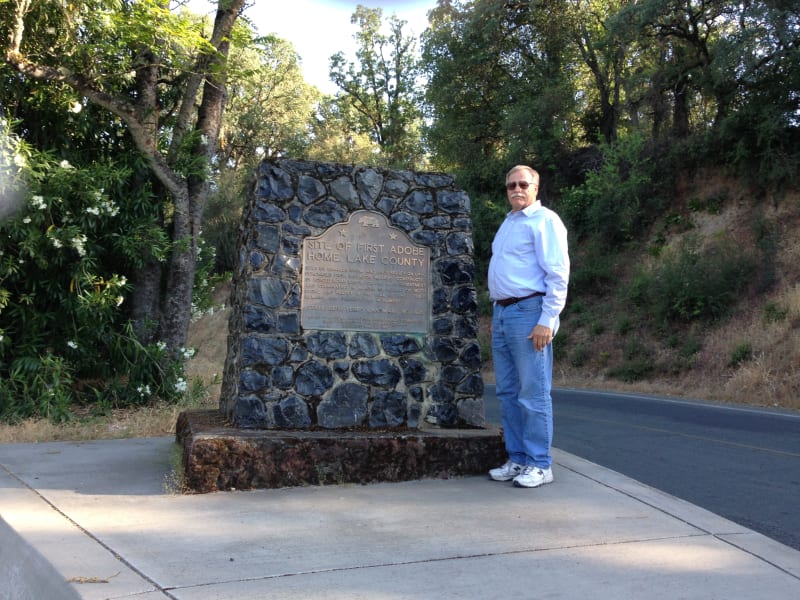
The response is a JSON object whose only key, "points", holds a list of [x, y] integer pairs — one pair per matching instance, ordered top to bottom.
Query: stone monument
{"points": [[352, 349]]}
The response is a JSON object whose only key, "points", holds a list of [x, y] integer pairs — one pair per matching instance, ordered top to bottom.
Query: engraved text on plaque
{"points": [[365, 275]]}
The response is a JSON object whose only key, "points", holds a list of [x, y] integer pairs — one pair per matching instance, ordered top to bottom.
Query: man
{"points": [[528, 276]]}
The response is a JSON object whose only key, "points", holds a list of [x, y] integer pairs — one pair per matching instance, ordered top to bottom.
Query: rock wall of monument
{"points": [[280, 376]]}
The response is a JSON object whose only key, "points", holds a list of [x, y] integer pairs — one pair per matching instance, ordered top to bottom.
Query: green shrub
{"points": [[757, 143], [615, 204], [712, 204], [487, 215], [221, 219], [767, 239], [65, 258], [593, 273], [694, 283], [637, 290], [485, 306], [574, 307], [774, 312], [624, 325], [561, 345], [691, 345], [687, 347], [634, 348], [740, 354], [579, 356], [637, 361], [631, 371], [37, 386]]}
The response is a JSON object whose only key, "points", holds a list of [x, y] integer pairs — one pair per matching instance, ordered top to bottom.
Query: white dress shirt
{"points": [[530, 254]]}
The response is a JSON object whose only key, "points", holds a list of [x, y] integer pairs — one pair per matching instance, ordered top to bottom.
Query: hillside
{"points": [[749, 356]]}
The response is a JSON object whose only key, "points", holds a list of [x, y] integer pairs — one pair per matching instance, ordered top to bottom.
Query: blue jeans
{"points": [[523, 377]]}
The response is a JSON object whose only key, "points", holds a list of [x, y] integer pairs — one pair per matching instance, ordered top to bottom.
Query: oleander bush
{"points": [[70, 237]]}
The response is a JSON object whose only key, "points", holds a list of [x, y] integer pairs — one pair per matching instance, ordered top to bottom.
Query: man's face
{"points": [[518, 197]]}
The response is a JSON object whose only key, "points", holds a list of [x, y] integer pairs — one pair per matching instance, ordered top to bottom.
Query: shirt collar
{"points": [[528, 210]]}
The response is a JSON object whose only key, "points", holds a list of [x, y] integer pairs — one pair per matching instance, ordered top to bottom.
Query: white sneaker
{"points": [[507, 472], [532, 477]]}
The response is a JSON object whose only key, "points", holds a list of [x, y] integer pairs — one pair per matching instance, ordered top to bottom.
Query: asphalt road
{"points": [[739, 462]]}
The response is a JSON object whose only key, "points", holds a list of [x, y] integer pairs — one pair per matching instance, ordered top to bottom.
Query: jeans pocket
{"points": [[530, 305]]}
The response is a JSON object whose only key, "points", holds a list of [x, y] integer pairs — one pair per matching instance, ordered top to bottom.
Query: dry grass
{"points": [[772, 376], [147, 421]]}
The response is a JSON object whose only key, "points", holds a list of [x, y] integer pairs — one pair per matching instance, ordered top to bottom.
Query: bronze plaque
{"points": [[365, 275]]}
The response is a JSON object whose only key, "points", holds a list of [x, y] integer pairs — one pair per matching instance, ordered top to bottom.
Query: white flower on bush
{"points": [[77, 107], [64, 164], [38, 202], [104, 205], [109, 208], [26, 220], [56, 242], [79, 243], [196, 312], [72, 344], [161, 346], [187, 353], [180, 385], [144, 390]]}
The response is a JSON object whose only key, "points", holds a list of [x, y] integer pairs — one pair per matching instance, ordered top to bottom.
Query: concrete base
{"points": [[219, 457]]}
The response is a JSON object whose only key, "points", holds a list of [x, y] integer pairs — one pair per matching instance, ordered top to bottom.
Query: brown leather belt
{"points": [[510, 301]]}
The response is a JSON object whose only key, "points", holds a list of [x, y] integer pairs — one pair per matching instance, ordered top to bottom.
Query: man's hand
{"points": [[541, 336]]}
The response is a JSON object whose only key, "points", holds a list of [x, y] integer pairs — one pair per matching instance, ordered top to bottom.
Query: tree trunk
{"points": [[680, 111], [190, 202], [145, 300], [174, 325]]}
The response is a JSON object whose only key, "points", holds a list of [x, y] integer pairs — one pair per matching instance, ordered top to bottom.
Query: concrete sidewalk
{"points": [[102, 514]]}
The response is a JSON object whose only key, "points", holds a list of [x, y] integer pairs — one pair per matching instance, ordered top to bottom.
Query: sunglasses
{"points": [[523, 185]]}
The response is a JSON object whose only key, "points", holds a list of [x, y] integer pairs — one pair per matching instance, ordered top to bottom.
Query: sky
{"points": [[321, 28]]}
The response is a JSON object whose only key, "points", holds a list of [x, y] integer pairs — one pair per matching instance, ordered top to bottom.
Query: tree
{"points": [[683, 34], [91, 47], [604, 50], [382, 87], [498, 88], [269, 105], [269, 113], [336, 136]]}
